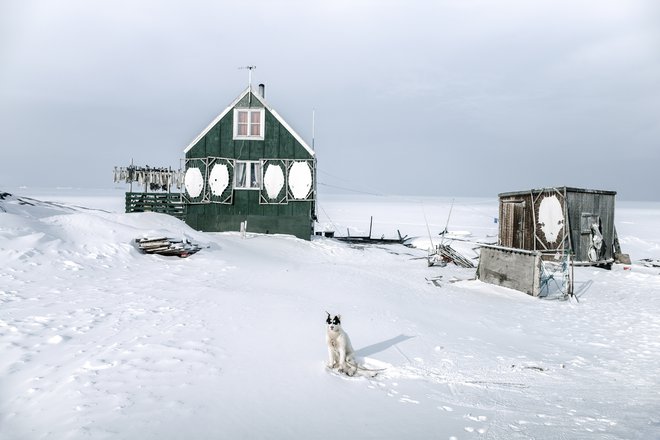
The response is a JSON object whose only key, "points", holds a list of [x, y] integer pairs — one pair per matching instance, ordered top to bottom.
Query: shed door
{"points": [[512, 228], [591, 237]]}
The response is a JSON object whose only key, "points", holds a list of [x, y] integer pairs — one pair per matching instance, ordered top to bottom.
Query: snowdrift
{"points": [[101, 341]]}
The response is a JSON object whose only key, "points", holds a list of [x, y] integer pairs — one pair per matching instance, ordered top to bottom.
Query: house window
{"points": [[249, 123], [247, 175]]}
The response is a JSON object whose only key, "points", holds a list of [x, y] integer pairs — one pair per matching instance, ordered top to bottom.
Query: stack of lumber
{"points": [[166, 246], [449, 254]]}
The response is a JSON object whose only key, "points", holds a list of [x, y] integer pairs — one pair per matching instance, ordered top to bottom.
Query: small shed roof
{"points": [[265, 104], [567, 188]]}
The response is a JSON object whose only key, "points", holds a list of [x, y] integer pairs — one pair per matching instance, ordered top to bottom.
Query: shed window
{"points": [[249, 124], [247, 175]]}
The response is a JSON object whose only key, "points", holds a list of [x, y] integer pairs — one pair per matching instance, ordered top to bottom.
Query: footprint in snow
{"points": [[71, 265], [57, 339], [103, 366], [475, 418]]}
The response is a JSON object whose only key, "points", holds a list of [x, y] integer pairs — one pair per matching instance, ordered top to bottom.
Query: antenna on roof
{"points": [[249, 68]]}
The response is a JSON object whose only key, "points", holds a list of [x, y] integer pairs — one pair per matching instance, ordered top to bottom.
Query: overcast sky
{"points": [[447, 98]]}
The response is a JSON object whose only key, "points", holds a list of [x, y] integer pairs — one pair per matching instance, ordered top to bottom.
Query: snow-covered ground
{"points": [[99, 341]]}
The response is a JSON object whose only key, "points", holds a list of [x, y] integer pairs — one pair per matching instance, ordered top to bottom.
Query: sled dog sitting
{"points": [[340, 351]]}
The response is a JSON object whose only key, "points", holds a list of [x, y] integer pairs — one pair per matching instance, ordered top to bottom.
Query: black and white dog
{"points": [[340, 351]]}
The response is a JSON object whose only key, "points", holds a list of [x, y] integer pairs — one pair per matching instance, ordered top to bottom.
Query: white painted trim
{"points": [[266, 106], [262, 124], [292, 131], [248, 174]]}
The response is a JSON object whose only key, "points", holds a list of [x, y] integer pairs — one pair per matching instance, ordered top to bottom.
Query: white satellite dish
{"points": [[218, 179], [273, 180], [300, 180], [193, 182], [551, 218]]}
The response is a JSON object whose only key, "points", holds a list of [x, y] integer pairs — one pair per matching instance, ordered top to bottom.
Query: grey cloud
{"points": [[411, 97]]}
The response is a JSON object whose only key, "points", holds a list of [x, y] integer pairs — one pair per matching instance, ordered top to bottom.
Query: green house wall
{"points": [[295, 218]]}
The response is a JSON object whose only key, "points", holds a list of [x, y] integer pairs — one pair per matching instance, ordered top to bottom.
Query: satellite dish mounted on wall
{"points": [[218, 179], [273, 180], [300, 180], [193, 182], [551, 218]]}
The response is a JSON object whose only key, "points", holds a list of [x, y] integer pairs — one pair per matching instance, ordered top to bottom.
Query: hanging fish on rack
{"points": [[154, 179]]}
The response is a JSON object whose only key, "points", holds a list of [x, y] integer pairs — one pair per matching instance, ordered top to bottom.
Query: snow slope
{"points": [[99, 341]]}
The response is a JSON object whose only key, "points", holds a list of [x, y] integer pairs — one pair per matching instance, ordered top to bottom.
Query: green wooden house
{"points": [[250, 166]]}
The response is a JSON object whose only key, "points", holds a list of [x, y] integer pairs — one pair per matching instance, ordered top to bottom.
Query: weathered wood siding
{"points": [[166, 203], [583, 208], [295, 218], [515, 223], [520, 227], [512, 268]]}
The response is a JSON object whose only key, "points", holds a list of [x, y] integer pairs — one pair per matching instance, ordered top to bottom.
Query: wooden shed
{"points": [[249, 165], [558, 221]]}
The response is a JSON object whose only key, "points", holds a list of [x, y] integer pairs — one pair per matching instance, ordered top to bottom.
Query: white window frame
{"points": [[262, 126], [248, 174]]}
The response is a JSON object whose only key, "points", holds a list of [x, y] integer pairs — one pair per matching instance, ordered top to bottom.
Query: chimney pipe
{"points": [[262, 91]]}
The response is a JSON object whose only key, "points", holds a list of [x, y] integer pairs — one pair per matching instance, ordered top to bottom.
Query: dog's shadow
{"points": [[381, 346]]}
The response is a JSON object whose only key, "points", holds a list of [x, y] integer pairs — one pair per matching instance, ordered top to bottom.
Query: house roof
{"points": [[265, 104], [564, 188]]}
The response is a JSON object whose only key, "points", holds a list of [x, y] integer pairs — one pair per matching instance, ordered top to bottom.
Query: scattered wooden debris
{"points": [[368, 239], [371, 240], [166, 246], [444, 254], [435, 259], [649, 262], [458, 280], [435, 281], [529, 367]]}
